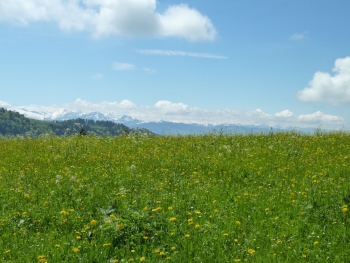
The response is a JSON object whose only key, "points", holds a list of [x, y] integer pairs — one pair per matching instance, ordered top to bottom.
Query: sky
{"points": [[273, 61]]}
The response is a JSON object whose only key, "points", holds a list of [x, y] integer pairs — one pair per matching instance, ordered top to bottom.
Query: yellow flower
{"points": [[26, 196], [145, 208], [170, 208], [345, 209], [64, 213], [172, 219], [190, 221], [93, 222], [238, 222], [197, 226], [120, 227], [225, 235], [187, 236], [315, 243], [107, 244], [58, 246], [173, 248], [75, 250], [156, 251], [251, 251], [162, 253], [142, 258], [42, 259], [115, 260], [237, 260]]}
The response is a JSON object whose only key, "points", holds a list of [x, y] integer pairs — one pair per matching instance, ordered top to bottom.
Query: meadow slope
{"points": [[279, 197]]}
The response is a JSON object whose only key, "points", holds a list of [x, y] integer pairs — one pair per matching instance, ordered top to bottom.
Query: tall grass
{"points": [[279, 197]]}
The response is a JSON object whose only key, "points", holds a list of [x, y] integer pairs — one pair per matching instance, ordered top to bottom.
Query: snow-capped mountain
{"points": [[56, 113]]}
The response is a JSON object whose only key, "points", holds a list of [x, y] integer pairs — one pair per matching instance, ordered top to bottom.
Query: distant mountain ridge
{"points": [[160, 127]]}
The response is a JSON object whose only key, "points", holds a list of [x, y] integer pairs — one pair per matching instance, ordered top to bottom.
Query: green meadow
{"points": [[278, 197]]}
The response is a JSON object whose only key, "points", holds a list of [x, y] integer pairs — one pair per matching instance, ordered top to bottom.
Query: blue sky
{"points": [[181, 59]]}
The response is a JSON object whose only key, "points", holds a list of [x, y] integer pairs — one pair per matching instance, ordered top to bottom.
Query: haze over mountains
{"points": [[175, 117]]}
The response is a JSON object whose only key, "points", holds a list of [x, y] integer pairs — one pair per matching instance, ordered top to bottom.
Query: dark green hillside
{"points": [[14, 124]]}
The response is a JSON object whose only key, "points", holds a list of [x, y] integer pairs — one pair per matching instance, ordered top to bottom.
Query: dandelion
{"points": [[26, 196], [170, 208], [344, 209], [64, 213], [172, 219], [190, 221], [93, 222], [238, 223], [197, 226], [120, 227], [187, 235], [225, 235], [315, 243], [106, 245], [57, 246], [173, 248], [75, 250], [7, 251], [251, 251], [162, 253], [142, 258], [42, 259], [237, 260], [115, 261]]}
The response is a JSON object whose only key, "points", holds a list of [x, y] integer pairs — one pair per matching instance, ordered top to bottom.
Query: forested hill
{"points": [[14, 124]]}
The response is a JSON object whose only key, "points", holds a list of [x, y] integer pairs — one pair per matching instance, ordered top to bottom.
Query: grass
{"points": [[279, 197]]}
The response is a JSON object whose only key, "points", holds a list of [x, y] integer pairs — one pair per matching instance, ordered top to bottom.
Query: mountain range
{"points": [[160, 127]]}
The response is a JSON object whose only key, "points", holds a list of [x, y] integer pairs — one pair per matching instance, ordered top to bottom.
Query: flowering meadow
{"points": [[278, 197]]}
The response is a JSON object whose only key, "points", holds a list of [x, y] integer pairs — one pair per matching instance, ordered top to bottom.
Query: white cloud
{"points": [[112, 17], [297, 36], [178, 53], [122, 66], [149, 70], [97, 76], [327, 88], [180, 112]]}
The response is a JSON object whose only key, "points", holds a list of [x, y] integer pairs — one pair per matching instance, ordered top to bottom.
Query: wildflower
{"points": [[26, 196], [145, 208], [170, 208], [267, 209], [345, 209], [198, 212], [64, 213], [172, 219], [190, 221], [93, 222], [238, 223], [197, 226], [120, 227], [225, 235], [187, 236], [78, 237], [315, 243], [106, 245], [57, 246], [173, 248], [75, 250], [7, 251], [156, 251], [251, 251], [162, 253], [303, 255], [142, 258], [42, 259], [115, 260], [237, 260]]}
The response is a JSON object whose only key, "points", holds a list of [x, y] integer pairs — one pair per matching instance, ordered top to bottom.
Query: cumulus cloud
{"points": [[118, 17], [178, 53], [122, 66], [332, 89], [180, 112]]}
